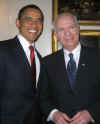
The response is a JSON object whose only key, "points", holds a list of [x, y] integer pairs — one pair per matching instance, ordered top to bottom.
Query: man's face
{"points": [[30, 25], [67, 32]]}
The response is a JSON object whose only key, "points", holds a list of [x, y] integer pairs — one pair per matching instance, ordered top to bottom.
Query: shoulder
{"points": [[7, 43], [6, 46], [92, 51], [54, 55], [53, 59]]}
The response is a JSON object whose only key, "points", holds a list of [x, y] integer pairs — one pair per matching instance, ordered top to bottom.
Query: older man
{"points": [[70, 78]]}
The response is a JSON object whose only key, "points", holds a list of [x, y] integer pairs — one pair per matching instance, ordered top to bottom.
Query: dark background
{"points": [[83, 9], [90, 41]]}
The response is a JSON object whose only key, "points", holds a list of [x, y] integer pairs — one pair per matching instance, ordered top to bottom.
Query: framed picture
{"points": [[84, 10], [87, 11]]}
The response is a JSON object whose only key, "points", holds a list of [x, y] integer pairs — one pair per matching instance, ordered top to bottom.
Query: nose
{"points": [[68, 33]]}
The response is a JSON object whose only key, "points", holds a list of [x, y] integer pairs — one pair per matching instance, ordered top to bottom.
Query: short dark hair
{"points": [[22, 10]]}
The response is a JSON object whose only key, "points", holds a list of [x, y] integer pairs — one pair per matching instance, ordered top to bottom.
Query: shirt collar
{"points": [[25, 44], [75, 51]]}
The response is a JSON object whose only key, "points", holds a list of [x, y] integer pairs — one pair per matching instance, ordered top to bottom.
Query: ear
{"points": [[17, 23]]}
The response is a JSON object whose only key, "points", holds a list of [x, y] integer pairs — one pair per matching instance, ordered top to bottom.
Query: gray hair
{"points": [[65, 14]]}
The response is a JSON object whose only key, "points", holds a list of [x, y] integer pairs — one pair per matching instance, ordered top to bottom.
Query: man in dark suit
{"points": [[18, 87], [64, 100]]}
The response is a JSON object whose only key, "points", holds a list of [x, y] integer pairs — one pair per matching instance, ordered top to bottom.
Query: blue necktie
{"points": [[71, 70]]}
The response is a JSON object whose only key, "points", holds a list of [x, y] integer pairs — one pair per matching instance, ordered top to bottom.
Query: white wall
{"points": [[8, 14]]}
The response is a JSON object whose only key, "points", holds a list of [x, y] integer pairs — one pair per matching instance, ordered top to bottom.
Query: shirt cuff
{"points": [[50, 117], [93, 121]]}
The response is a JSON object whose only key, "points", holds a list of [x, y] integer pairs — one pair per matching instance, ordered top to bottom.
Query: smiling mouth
{"points": [[33, 31]]}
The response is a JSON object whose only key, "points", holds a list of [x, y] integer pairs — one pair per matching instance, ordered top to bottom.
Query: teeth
{"points": [[32, 31]]}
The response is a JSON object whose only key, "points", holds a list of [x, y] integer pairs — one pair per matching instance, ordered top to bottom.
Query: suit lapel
{"points": [[20, 54], [39, 56], [82, 69], [62, 72]]}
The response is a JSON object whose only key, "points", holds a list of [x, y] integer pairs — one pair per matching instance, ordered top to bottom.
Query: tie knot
{"points": [[31, 48], [31, 53], [71, 55]]}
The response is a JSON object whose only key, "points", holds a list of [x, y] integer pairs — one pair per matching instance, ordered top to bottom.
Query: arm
{"points": [[46, 104]]}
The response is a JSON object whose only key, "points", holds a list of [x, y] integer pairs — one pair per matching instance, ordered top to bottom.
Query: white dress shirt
{"points": [[25, 45], [76, 56]]}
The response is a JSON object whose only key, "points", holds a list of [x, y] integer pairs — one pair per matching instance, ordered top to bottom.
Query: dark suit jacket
{"points": [[55, 90], [18, 98]]}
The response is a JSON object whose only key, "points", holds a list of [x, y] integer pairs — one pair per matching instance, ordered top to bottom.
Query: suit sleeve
{"points": [[2, 73], [45, 101], [95, 111]]}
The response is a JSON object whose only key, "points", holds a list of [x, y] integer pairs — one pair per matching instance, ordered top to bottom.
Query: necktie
{"points": [[33, 66], [71, 70]]}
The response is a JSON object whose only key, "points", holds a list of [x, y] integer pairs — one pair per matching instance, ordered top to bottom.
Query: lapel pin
{"points": [[83, 64]]}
